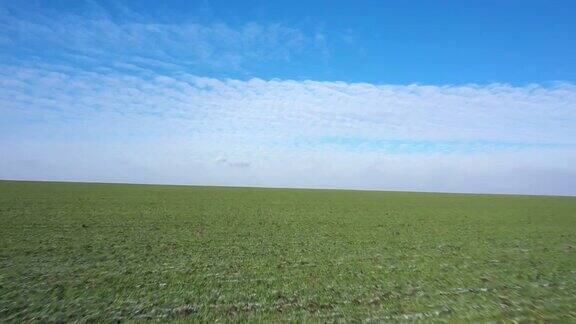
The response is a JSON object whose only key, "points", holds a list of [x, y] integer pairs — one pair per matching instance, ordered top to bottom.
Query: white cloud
{"points": [[276, 110], [66, 123]]}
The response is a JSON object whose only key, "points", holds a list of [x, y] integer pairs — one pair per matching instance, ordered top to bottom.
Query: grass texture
{"points": [[115, 252]]}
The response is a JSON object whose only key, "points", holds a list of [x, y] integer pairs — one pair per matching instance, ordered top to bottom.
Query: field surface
{"points": [[103, 252]]}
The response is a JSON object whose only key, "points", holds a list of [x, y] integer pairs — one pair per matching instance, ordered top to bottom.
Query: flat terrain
{"points": [[72, 251]]}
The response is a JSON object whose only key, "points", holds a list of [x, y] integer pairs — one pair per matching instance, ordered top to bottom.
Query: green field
{"points": [[94, 252]]}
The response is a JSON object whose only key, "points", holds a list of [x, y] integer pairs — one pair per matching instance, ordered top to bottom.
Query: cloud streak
{"points": [[96, 39]]}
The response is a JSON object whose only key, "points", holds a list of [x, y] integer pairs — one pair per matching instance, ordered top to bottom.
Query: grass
{"points": [[111, 252]]}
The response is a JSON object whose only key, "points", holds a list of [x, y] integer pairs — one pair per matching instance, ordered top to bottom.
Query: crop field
{"points": [[114, 252]]}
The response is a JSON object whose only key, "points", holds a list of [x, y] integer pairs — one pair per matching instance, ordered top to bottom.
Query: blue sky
{"points": [[430, 42], [466, 96]]}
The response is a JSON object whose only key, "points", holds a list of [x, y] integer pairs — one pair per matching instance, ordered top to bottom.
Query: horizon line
{"points": [[288, 188]]}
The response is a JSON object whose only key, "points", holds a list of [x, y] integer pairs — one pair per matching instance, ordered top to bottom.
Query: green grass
{"points": [[103, 252]]}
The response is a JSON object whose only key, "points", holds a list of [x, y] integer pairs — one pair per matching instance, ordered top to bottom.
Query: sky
{"points": [[444, 96]]}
